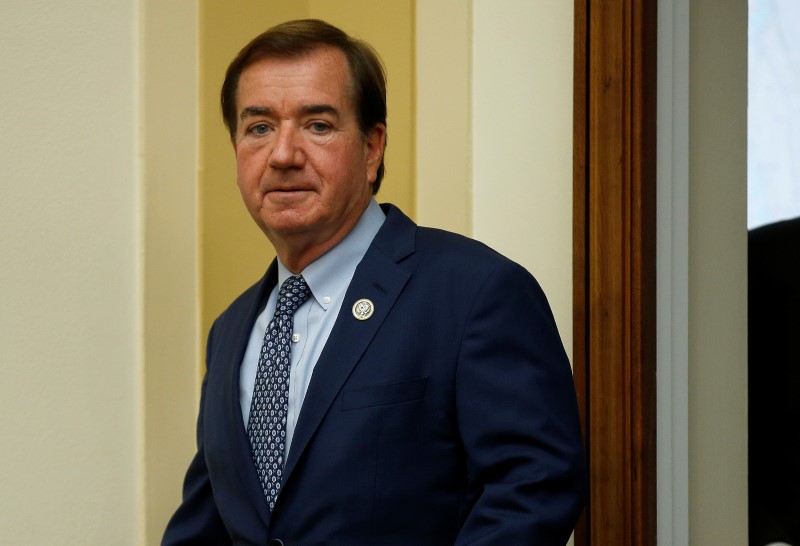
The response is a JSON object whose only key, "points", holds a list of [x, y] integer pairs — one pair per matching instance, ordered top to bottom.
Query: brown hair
{"points": [[298, 38]]}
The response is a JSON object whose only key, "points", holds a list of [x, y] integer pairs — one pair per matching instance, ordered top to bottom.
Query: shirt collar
{"points": [[329, 275]]}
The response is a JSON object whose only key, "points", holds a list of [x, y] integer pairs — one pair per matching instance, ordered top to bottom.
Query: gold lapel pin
{"points": [[363, 309]]}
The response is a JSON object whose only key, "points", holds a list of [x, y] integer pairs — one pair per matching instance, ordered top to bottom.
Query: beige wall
{"points": [[718, 273], [70, 335]]}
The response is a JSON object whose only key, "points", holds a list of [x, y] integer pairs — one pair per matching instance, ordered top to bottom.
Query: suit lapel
{"points": [[378, 278], [235, 425]]}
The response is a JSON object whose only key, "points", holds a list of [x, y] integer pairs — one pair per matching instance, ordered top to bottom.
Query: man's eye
{"points": [[320, 127], [260, 129]]}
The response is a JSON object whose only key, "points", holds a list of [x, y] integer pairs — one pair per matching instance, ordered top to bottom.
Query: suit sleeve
{"points": [[518, 419], [197, 521]]}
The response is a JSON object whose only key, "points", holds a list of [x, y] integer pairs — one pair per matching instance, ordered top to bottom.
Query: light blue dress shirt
{"points": [[328, 277]]}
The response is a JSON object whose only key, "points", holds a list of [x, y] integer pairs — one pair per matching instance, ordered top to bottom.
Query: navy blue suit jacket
{"points": [[448, 417]]}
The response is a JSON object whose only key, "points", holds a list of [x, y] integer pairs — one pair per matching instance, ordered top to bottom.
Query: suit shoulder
{"points": [[437, 245], [436, 249]]}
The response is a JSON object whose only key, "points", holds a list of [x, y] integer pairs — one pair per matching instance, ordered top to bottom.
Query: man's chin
{"points": [[285, 223]]}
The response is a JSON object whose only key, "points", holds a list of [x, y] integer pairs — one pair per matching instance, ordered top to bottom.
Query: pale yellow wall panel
{"points": [[444, 115], [171, 348]]}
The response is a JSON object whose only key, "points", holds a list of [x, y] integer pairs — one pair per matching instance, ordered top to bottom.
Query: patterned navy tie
{"points": [[266, 426]]}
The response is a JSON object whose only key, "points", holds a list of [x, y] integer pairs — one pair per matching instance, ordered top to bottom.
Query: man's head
{"points": [[293, 39], [308, 154]]}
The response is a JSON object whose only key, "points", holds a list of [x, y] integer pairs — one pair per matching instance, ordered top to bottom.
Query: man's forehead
{"points": [[323, 59], [323, 69]]}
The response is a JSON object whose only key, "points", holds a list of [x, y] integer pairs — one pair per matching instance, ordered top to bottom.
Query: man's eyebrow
{"points": [[319, 109], [253, 111], [256, 111]]}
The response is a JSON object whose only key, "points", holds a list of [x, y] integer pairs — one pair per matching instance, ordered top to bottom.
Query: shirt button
{"points": [[326, 300], [295, 338]]}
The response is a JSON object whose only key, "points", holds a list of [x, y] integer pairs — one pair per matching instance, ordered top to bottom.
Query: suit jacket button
{"points": [[275, 542]]}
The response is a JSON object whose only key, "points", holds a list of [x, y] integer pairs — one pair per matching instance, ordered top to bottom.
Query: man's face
{"points": [[305, 171]]}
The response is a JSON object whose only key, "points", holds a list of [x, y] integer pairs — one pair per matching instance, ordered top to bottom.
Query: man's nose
{"points": [[287, 152]]}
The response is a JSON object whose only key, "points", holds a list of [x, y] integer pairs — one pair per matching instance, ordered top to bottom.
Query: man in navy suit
{"points": [[424, 398]]}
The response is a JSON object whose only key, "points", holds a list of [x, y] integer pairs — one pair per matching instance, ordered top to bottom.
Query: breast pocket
{"points": [[384, 395]]}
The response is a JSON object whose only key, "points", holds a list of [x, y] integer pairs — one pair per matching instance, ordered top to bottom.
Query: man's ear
{"points": [[374, 146]]}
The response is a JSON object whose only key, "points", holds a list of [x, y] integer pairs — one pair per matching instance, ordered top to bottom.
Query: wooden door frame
{"points": [[614, 176]]}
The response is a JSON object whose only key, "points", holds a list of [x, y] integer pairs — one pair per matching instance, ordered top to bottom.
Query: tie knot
{"points": [[294, 291]]}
